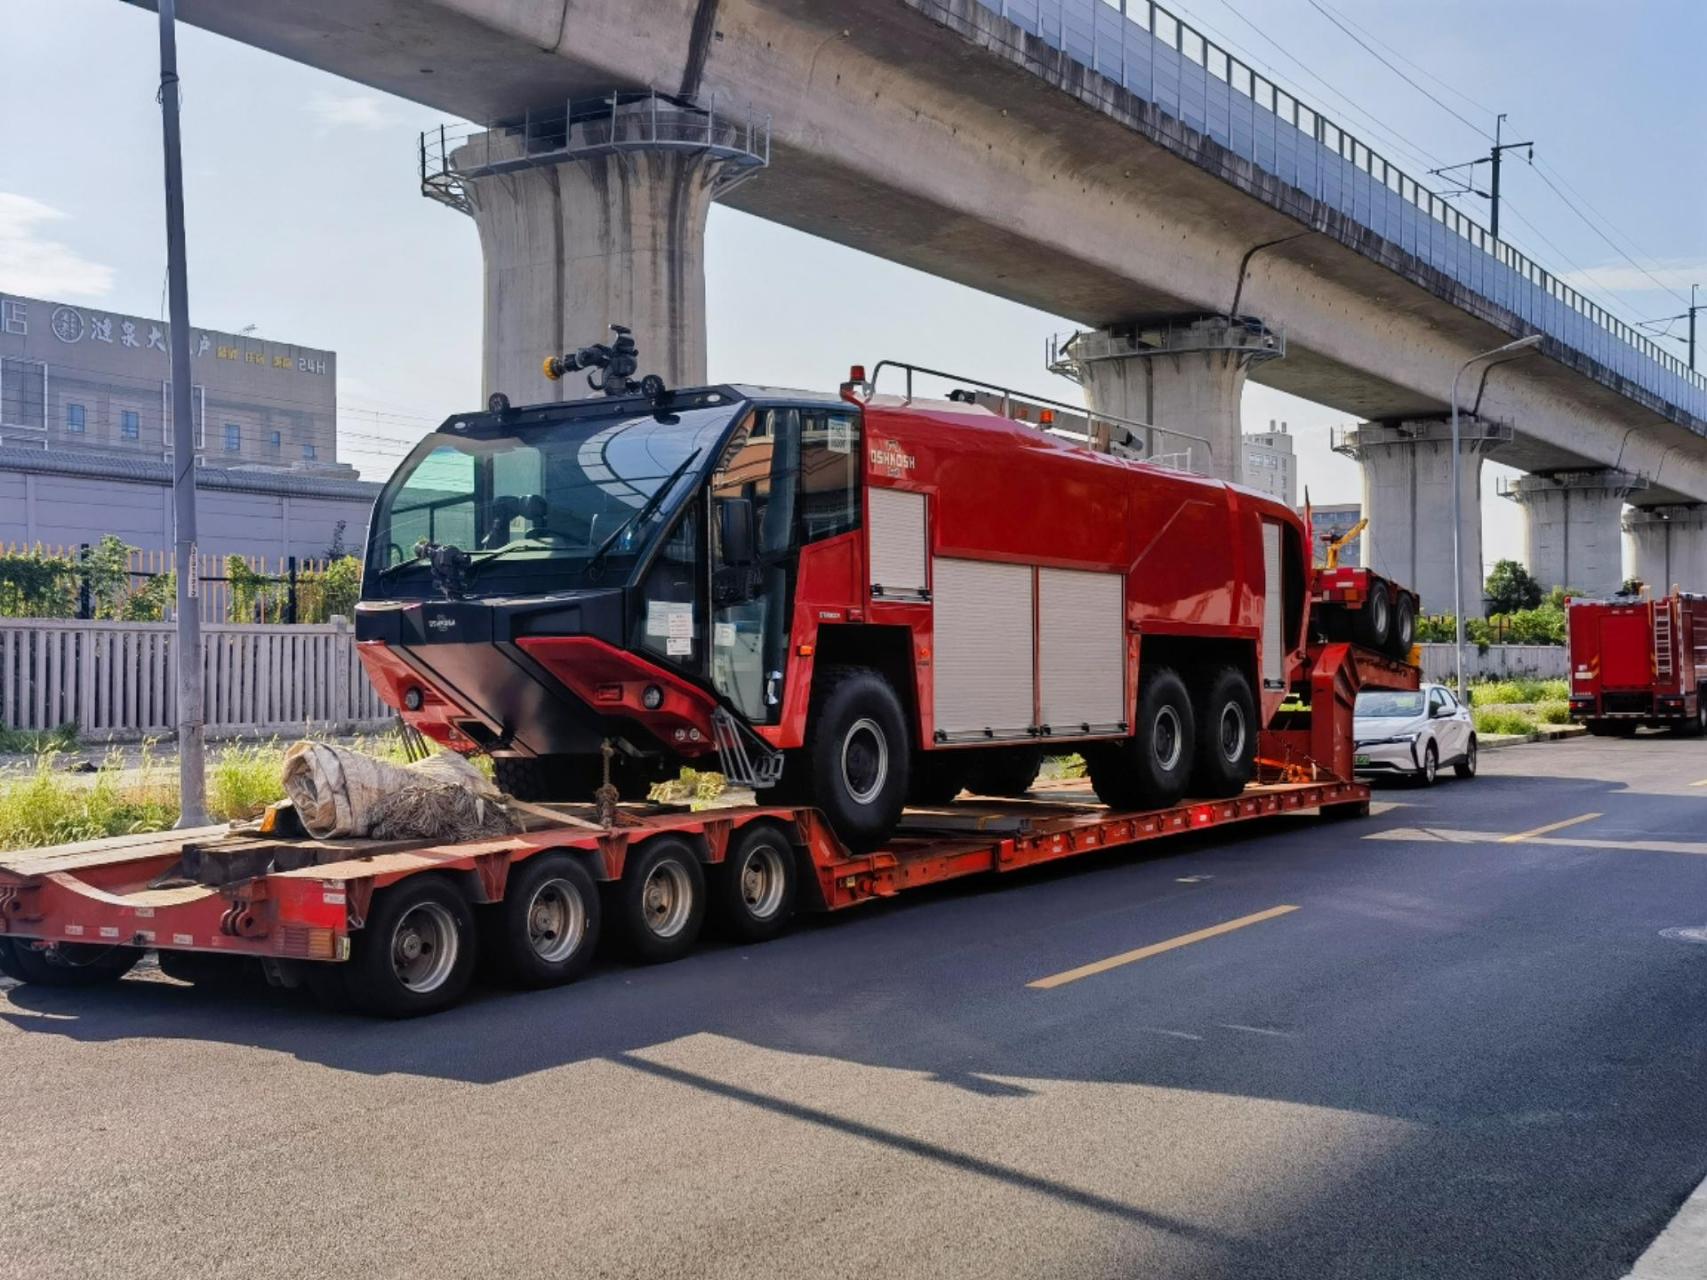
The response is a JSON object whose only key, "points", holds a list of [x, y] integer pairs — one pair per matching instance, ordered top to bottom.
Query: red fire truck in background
{"points": [[847, 601], [1639, 661]]}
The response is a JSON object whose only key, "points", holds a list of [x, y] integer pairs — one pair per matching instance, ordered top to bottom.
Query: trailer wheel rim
{"points": [[1379, 607], [1233, 732], [1167, 739], [865, 760], [764, 878], [666, 899], [556, 921], [424, 947]]}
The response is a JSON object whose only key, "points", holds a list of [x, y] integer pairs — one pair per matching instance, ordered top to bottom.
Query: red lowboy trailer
{"points": [[872, 593], [1639, 661]]}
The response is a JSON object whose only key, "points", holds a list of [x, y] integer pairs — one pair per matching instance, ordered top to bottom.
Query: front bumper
{"points": [[1387, 757]]}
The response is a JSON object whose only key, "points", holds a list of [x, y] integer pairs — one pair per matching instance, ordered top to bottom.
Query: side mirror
{"points": [[735, 531]]}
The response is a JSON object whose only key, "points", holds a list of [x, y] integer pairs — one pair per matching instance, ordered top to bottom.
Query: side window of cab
{"points": [[829, 473]]}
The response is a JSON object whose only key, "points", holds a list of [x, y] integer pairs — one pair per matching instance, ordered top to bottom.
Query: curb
{"points": [[1551, 733], [1680, 1251]]}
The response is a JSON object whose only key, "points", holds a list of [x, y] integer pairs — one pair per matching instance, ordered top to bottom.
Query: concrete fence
{"points": [[1500, 662], [117, 680]]}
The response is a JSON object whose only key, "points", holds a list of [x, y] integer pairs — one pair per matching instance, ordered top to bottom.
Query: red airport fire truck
{"points": [[858, 605], [1637, 660]]}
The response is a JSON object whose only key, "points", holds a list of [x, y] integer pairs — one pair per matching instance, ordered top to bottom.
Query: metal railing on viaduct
{"points": [[1165, 61]]}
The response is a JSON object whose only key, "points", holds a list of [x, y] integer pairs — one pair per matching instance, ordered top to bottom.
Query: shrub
{"points": [[1554, 712], [1492, 721], [243, 780]]}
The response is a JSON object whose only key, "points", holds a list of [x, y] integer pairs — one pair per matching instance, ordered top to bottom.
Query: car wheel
{"points": [[1430, 766], [1466, 768]]}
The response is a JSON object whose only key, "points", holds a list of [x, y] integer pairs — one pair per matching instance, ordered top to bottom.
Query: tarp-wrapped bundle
{"points": [[338, 791]]}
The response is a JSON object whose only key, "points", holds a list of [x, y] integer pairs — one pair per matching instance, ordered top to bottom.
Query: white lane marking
{"points": [[1441, 835], [1256, 1031], [1177, 1035], [1680, 1251]]}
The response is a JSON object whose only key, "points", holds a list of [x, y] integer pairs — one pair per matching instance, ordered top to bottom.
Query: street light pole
{"points": [[1510, 348], [192, 782]]}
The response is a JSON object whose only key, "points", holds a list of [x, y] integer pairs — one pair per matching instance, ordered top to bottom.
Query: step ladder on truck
{"points": [[394, 927]]}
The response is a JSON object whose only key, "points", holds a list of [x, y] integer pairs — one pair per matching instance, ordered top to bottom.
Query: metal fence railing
{"points": [[1166, 61]]}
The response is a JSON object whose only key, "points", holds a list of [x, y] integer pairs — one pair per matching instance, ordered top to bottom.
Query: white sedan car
{"points": [[1406, 734]]}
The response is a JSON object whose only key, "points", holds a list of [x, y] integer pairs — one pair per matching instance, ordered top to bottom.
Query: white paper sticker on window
{"points": [[841, 435], [669, 618], [680, 622], [724, 635], [678, 647]]}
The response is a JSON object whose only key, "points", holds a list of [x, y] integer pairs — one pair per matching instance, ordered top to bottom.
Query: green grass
{"points": [[1508, 692], [1503, 720], [36, 741]]}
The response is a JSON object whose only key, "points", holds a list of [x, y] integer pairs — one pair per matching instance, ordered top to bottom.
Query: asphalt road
{"points": [[1460, 1056]]}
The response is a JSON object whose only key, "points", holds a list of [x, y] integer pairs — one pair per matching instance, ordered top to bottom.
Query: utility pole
{"points": [[1494, 157], [1694, 309], [192, 782]]}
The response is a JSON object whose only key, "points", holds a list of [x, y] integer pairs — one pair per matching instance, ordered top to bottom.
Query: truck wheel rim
{"points": [[1378, 606], [1233, 732], [1166, 739], [865, 760], [763, 877], [666, 899], [556, 921], [424, 947]]}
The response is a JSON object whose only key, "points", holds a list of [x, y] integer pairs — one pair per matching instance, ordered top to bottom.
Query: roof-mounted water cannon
{"points": [[619, 361]]}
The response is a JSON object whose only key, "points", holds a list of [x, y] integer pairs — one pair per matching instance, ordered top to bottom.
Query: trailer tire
{"points": [[1374, 622], [1404, 627], [1226, 736], [857, 760], [1150, 769], [1004, 771], [757, 884], [661, 900], [547, 926], [415, 955], [65, 964]]}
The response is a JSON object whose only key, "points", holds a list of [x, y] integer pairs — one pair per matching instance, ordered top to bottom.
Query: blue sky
{"points": [[305, 218]]}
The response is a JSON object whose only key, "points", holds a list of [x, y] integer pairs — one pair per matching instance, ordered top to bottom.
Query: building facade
{"points": [[87, 380], [1269, 466], [1333, 522]]}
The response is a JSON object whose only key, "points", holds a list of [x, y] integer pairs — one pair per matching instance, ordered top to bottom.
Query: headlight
{"points": [[652, 697]]}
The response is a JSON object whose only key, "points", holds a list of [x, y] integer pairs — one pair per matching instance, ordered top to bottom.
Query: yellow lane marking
{"points": [[1702, 783], [1521, 836], [1155, 949]]}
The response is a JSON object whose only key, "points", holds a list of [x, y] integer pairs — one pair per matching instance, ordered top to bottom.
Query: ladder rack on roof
{"points": [[1122, 435]]}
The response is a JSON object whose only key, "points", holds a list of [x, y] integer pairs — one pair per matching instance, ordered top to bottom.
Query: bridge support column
{"points": [[589, 217], [1187, 376], [1407, 495], [1572, 536], [1668, 546]]}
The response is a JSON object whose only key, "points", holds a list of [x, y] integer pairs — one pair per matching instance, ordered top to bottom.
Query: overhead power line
{"points": [[1376, 54], [1415, 66], [1595, 227]]}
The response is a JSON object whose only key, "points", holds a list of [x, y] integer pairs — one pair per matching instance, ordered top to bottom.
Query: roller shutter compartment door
{"points": [[898, 550], [1081, 651], [983, 661]]}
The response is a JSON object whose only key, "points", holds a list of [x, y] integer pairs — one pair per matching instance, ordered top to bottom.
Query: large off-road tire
{"points": [[1374, 622], [1404, 630], [1226, 735], [857, 761], [1150, 769], [1004, 771], [938, 777], [565, 779], [756, 885], [661, 899], [546, 929], [416, 953], [65, 964]]}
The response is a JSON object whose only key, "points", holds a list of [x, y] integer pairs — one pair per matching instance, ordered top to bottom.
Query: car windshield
{"points": [[549, 504], [1379, 704]]}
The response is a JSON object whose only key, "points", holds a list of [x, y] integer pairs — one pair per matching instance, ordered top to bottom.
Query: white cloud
{"points": [[350, 111], [45, 268], [1621, 277]]}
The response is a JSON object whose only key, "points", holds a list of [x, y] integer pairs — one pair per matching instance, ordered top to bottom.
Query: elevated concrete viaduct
{"points": [[972, 139]]}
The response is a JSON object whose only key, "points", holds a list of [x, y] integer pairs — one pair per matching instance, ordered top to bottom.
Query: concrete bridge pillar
{"points": [[593, 216], [1186, 376], [1407, 495], [1573, 534], [1668, 546]]}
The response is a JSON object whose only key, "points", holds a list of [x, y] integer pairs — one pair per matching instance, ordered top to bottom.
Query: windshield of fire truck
{"points": [[552, 504]]}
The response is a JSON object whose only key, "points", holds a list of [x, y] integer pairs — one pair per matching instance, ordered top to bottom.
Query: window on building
{"points": [[23, 393], [76, 418], [130, 424], [233, 437], [276, 440], [308, 453]]}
